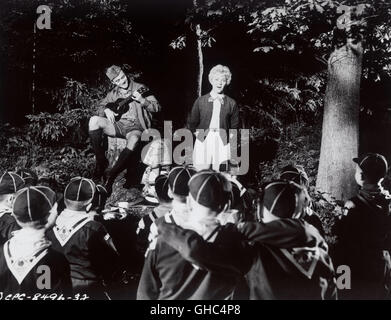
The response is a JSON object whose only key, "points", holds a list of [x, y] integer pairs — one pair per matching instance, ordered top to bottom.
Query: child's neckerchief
{"points": [[370, 191], [373, 196], [4, 210], [179, 213], [68, 223], [206, 228], [24, 250], [305, 259]]}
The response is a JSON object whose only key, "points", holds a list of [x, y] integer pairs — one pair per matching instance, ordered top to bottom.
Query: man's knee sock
{"points": [[96, 142], [121, 164], [133, 167]]}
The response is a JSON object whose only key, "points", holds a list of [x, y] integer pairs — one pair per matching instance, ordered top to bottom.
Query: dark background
{"points": [[171, 74]]}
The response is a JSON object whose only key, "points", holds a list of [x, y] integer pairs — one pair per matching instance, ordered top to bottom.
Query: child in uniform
{"points": [[297, 174], [10, 183], [144, 225], [364, 232], [85, 242], [289, 257], [28, 264], [167, 275]]}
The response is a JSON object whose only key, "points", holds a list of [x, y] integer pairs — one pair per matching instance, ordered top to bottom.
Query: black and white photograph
{"points": [[204, 150]]}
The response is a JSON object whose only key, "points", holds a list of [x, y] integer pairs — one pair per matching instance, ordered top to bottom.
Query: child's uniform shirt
{"points": [[245, 205], [177, 215], [312, 218], [8, 225], [144, 225], [364, 244], [86, 245], [289, 258], [33, 269], [304, 273], [168, 276]]}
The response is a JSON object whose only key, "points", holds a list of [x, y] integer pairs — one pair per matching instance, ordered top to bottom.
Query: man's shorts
{"points": [[124, 126]]}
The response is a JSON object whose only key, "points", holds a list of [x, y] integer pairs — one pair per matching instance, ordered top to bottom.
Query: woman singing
{"points": [[212, 116]]}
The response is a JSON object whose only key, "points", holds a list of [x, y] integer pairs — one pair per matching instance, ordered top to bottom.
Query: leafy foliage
{"points": [[80, 23], [316, 25], [76, 95], [276, 104], [282, 109], [58, 127], [301, 145], [53, 164]]}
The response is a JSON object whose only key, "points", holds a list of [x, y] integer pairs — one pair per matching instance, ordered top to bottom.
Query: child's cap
{"points": [[113, 72], [374, 165], [228, 166], [294, 173], [29, 176], [178, 179], [10, 182], [161, 187], [210, 189], [80, 190], [234, 195], [100, 197], [284, 199], [33, 203]]}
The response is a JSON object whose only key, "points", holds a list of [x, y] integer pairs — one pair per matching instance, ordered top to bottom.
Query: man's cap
{"points": [[113, 72], [374, 165], [294, 173], [29, 176], [178, 179], [10, 182], [161, 187], [210, 189], [80, 190], [284, 199], [33, 203]]}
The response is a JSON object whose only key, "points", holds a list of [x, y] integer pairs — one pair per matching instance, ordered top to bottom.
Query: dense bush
{"points": [[67, 127], [57, 165]]}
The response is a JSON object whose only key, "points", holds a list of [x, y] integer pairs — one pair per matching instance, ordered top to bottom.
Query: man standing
{"points": [[136, 118]]}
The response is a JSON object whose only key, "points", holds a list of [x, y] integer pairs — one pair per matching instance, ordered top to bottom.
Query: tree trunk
{"points": [[200, 56], [200, 61], [340, 131]]}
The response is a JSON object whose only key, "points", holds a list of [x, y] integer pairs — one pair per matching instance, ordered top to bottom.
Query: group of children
{"points": [[205, 239], [51, 244], [203, 249]]}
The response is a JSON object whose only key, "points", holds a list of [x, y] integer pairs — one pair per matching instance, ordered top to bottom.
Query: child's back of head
{"points": [[373, 167], [296, 174], [29, 176], [178, 179], [10, 183], [161, 188], [209, 190], [79, 194], [284, 199], [33, 207]]}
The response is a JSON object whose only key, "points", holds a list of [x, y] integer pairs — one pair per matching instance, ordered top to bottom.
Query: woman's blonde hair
{"points": [[220, 69]]}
